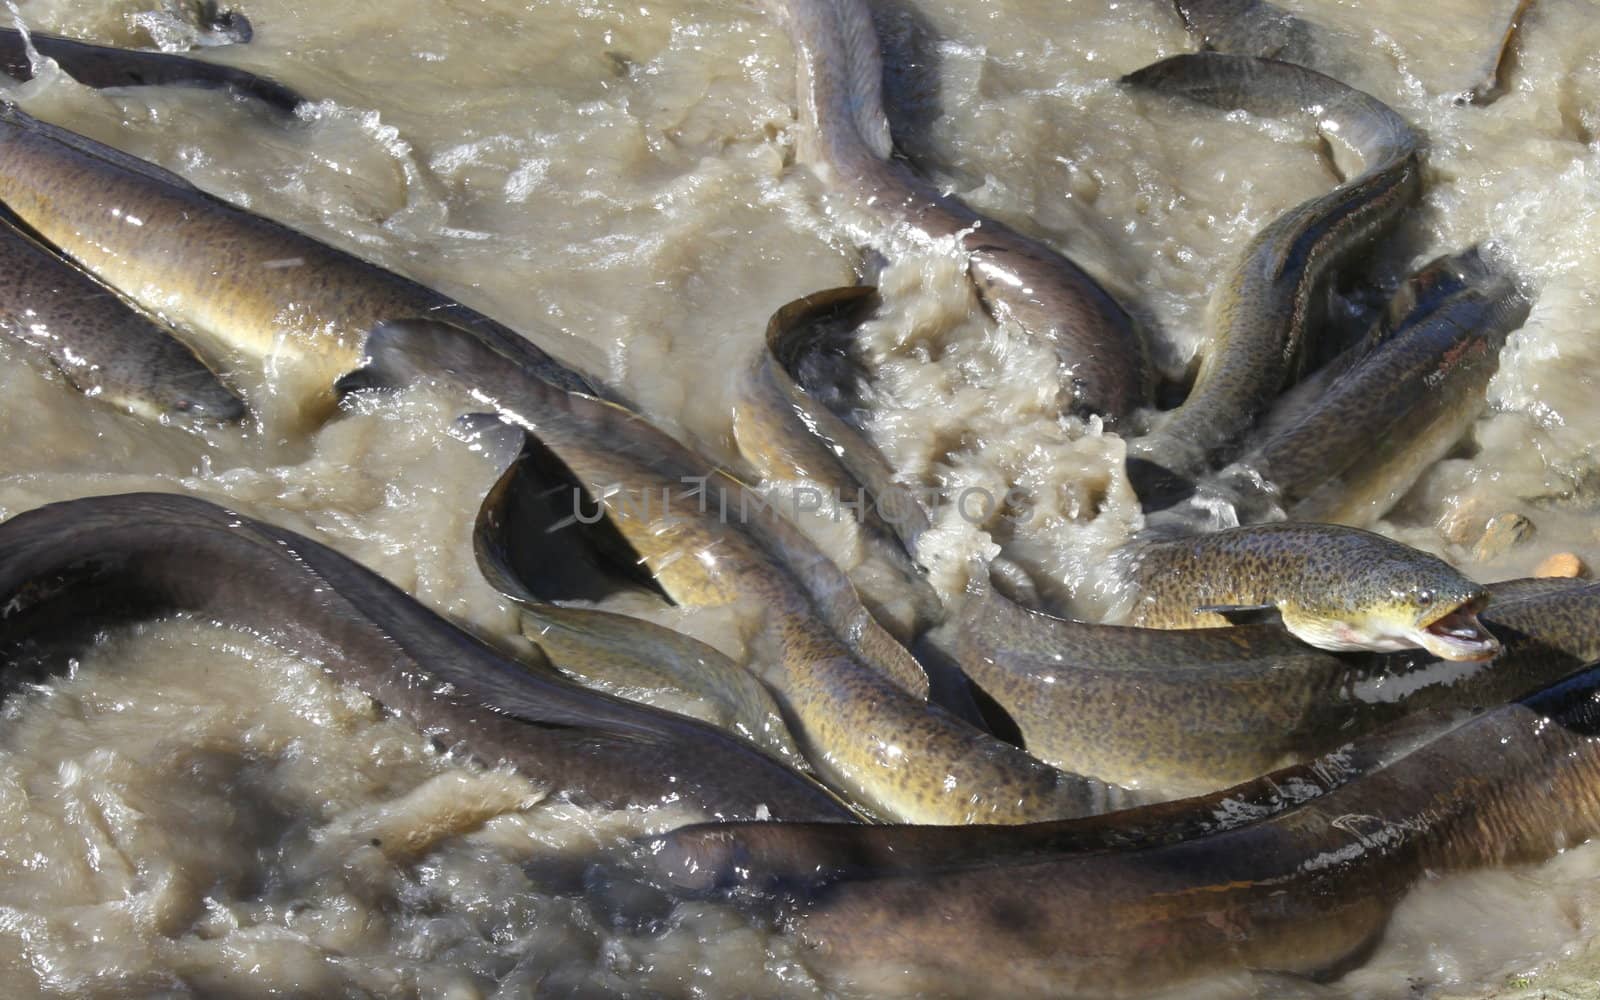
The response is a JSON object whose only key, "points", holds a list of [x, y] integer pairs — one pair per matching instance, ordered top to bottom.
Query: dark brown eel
{"points": [[104, 66], [846, 141], [1265, 306], [1394, 405], [67, 569], [1192, 710], [1302, 892]]}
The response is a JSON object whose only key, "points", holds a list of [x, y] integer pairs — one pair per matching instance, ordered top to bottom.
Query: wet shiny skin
{"points": [[621, 177]]}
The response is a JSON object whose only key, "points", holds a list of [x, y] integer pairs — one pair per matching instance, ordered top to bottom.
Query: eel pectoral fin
{"points": [[401, 352], [1244, 614]]}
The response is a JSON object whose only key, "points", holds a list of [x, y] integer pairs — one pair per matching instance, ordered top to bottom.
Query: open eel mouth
{"points": [[1457, 635]]}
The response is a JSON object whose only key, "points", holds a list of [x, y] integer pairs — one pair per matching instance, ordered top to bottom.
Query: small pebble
{"points": [[1462, 522], [1503, 533], [1562, 564]]}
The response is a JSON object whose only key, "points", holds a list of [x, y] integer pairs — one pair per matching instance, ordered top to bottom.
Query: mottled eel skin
{"points": [[846, 141], [240, 284], [1260, 314], [105, 348], [1395, 403], [785, 434], [69, 568], [1334, 587], [856, 698], [1192, 710], [1299, 893]]}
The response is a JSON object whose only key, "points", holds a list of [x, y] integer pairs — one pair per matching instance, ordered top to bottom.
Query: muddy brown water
{"points": [[192, 813]]}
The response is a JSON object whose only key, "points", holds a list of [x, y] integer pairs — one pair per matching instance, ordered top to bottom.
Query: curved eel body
{"points": [[1250, 28], [1258, 28], [105, 66], [1493, 79], [846, 141], [239, 284], [1419, 297], [1260, 314], [104, 347], [1448, 360], [1396, 402], [786, 430], [785, 434], [139, 555], [1334, 587], [642, 661], [856, 696], [1193, 710], [799, 858], [1296, 893]]}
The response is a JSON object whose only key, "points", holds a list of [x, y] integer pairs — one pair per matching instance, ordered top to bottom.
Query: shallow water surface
{"points": [[192, 812]]}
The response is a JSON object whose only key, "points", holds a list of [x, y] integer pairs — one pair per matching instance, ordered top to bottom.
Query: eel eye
{"points": [[1424, 598]]}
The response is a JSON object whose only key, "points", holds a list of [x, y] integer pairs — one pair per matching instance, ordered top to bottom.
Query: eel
{"points": [[1251, 28], [1259, 28], [103, 66], [1494, 79], [845, 140], [233, 283], [1422, 294], [1263, 310], [107, 349], [1448, 361], [780, 430], [786, 431], [1345, 447], [69, 568], [1333, 587], [619, 654], [636, 660], [857, 699], [1193, 710], [753, 858], [1302, 892]]}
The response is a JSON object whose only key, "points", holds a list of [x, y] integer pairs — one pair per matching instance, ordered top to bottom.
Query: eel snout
{"points": [[1457, 635]]}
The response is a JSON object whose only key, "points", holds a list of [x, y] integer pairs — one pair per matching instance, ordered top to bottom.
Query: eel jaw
{"points": [[1456, 636]]}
